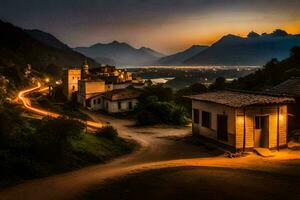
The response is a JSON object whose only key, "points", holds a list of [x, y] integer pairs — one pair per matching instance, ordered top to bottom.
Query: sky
{"points": [[164, 25]]}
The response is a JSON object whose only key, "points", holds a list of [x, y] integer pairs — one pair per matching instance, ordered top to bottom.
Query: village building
{"points": [[70, 80], [92, 88], [290, 88], [88, 89], [122, 100], [116, 101], [241, 120]]}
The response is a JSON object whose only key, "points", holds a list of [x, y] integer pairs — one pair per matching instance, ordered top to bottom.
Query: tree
{"points": [[218, 84], [162, 93], [180, 96], [53, 137]]}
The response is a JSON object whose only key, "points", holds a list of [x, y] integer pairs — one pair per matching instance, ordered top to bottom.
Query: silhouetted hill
{"points": [[46, 38], [18, 48], [254, 50], [151, 52], [121, 53], [179, 58], [107, 61], [273, 73]]}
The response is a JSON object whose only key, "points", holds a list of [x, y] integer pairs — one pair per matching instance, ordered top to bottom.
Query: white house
{"points": [[122, 100]]}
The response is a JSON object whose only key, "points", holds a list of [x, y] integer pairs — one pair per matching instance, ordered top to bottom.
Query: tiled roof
{"points": [[290, 87], [122, 94], [240, 99]]}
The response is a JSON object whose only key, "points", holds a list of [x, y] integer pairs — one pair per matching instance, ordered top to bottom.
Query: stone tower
{"points": [[85, 70], [70, 82]]}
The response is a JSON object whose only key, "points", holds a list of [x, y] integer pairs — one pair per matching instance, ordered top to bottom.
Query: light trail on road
{"points": [[27, 104]]}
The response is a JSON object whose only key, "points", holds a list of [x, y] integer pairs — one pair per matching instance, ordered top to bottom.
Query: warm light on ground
{"points": [[27, 104]]}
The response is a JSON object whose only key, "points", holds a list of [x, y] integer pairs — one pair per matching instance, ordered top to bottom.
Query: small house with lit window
{"points": [[121, 100], [241, 120]]}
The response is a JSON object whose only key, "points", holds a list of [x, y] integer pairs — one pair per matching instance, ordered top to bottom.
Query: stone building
{"points": [[70, 82]]}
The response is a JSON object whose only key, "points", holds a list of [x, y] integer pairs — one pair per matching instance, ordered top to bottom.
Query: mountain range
{"points": [[255, 49], [252, 50], [46, 53], [120, 53], [179, 58]]}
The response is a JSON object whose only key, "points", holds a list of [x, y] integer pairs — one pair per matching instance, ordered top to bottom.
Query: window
{"points": [[73, 77], [73, 88], [94, 101], [99, 101], [119, 105], [130, 105], [196, 116], [206, 119], [257, 122]]}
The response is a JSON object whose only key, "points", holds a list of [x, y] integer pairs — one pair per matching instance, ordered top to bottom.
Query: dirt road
{"points": [[159, 150]]}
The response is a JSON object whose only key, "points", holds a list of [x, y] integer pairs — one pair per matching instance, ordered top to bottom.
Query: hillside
{"points": [[47, 39], [19, 48], [253, 50], [121, 53], [179, 58], [273, 73]]}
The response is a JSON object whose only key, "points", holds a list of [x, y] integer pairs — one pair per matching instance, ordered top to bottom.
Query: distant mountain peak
{"points": [[279, 33], [253, 34], [121, 53]]}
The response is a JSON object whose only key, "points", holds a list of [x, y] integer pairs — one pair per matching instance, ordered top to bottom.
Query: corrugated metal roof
{"points": [[241, 99]]}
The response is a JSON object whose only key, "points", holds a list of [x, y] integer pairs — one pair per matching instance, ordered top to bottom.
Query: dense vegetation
{"points": [[273, 73], [160, 105], [32, 148]]}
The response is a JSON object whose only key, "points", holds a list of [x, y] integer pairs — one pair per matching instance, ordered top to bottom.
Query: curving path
{"points": [[27, 104], [160, 149]]}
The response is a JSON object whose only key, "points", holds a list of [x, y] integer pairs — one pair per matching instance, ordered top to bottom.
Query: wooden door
{"points": [[222, 127], [265, 131]]}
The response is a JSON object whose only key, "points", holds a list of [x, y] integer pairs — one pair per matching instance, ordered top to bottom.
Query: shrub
{"points": [[158, 91], [156, 112], [108, 132], [52, 140]]}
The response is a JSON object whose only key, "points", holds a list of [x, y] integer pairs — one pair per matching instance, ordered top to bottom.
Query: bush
{"points": [[158, 91], [155, 112], [108, 132], [52, 140]]}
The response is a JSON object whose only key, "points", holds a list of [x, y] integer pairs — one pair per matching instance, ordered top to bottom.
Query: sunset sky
{"points": [[165, 25]]}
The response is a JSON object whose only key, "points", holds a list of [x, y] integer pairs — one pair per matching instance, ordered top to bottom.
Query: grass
{"points": [[95, 149], [19, 163]]}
